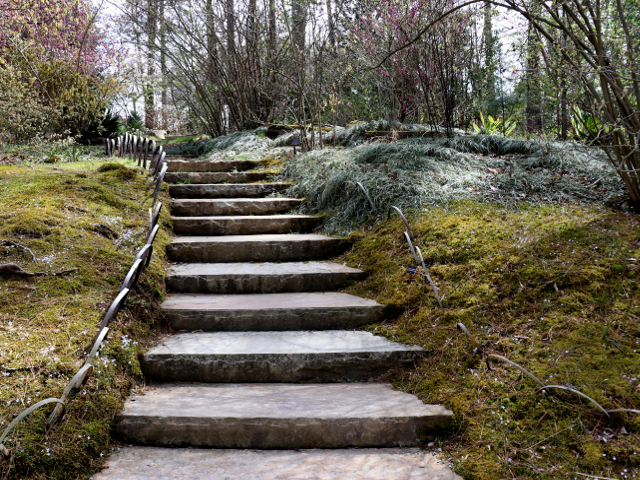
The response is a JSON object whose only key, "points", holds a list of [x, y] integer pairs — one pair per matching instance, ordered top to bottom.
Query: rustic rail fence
{"points": [[144, 151]]}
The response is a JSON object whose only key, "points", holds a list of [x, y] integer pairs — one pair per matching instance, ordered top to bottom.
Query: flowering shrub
{"points": [[56, 62], [426, 85]]}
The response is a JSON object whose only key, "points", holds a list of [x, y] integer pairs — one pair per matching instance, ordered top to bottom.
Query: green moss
{"points": [[541, 287], [47, 324]]}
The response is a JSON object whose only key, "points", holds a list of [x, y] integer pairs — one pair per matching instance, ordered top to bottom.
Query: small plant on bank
{"points": [[497, 126]]}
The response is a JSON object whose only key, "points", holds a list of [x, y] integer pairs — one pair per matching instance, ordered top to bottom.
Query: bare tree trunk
{"points": [[231, 26], [298, 31], [332, 32], [271, 34], [211, 39], [489, 54], [163, 61], [534, 90], [563, 90], [149, 97]]}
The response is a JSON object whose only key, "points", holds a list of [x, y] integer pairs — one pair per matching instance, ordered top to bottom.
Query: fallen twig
{"points": [[11, 243], [17, 270]]}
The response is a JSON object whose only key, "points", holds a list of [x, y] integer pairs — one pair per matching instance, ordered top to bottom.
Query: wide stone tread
{"points": [[199, 165], [215, 177], [226, 190], [239, 206], [244, 225], [255, 248], [259, 277], [270, 312], [289, 356], [278, 416], [147, 463]]}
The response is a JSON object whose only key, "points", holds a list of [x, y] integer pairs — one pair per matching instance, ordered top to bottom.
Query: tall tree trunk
{"points": [[231, 26], [272, 27], [298, 31], [332, 32], [252, 34], [211, 39], [163, 62], [533, 83], [489, 88], [563, 89], [149, 97]]}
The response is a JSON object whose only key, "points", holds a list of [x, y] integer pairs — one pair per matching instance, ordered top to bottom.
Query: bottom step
{"points": [[278, 416], [147, 463]]}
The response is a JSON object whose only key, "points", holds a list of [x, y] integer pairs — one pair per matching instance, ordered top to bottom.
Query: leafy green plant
{"points": [[134, 122], [491, 126], [586, 126], [74, 153]]}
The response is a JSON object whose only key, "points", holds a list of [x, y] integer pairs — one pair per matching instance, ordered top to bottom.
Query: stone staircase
{"points": [[266, 360]]}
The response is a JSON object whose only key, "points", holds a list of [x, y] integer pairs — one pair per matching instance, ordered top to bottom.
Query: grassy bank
{"points": [[90, 218], [553, 288]]}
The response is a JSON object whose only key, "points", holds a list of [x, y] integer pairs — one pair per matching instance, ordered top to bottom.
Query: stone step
{"points": [[200, 165], [215, 177], [226, 190], [239, 206], [244, 225], [255, 248], [259, 277], [270, 312], [257, 357], [278, 416], [212, 464]]}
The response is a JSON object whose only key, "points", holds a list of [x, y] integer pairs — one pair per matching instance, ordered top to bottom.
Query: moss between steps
{"points": [[93, 219], [553, 288]]}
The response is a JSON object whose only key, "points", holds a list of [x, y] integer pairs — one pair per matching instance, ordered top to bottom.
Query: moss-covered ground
{"points": [[93, 218], [552, 288]]}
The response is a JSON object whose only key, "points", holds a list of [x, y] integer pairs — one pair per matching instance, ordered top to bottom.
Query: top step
{"points": [[199, 165]]}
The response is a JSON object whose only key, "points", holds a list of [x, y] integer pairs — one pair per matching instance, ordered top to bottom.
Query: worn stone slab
{"points": [[200, 165], [215, 177], [226, 190], [238, 206], [244, 225], [255, 248], [259, 277], [270, 312], [289, 356], [278, 416], [153, 463]]}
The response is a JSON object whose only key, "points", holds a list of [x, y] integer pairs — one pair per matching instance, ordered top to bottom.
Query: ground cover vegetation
{"points": [[89, 217]]}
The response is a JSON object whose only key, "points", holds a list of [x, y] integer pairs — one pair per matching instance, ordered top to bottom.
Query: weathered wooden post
{"points": [[134, 146], [146, 153], [153, 153]]}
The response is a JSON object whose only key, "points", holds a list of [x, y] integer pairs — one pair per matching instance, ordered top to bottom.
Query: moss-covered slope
{"points": [[94, 220], [553, 288]]}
